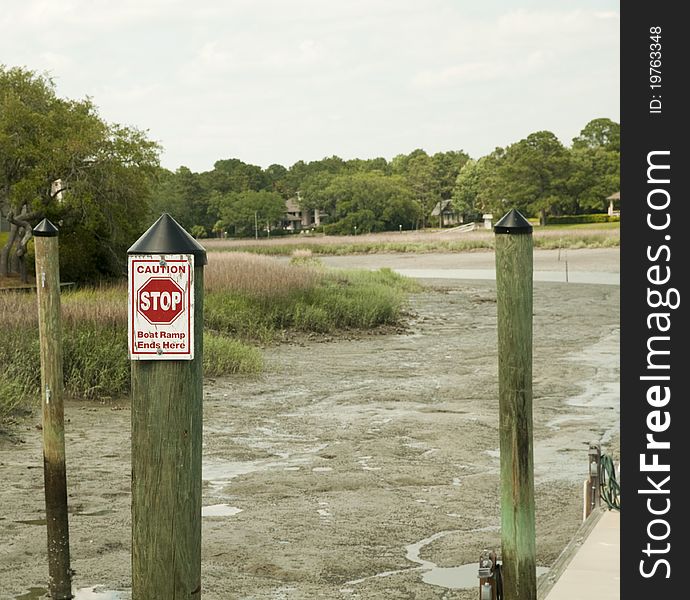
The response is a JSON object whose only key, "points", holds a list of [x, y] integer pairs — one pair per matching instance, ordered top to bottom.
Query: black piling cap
{"points": [[513, 222], [45, 229], [166, 236]]}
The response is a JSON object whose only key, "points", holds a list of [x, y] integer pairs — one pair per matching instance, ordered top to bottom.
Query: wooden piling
{"points": [[514, 264], [52, 385], [166, 448]]}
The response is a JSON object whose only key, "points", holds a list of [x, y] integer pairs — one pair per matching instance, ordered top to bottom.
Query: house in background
{"points": [[614, 204], [445, 214], [296, 219], [292, 220]]}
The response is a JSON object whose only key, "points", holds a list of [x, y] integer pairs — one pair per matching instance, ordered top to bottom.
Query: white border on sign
{"points": [[160, 341]]}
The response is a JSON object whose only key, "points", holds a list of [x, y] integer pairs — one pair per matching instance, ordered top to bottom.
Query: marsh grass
{"points": [[590, 235], [255, 276], [258, 298], [249, 299], [225, 356]]}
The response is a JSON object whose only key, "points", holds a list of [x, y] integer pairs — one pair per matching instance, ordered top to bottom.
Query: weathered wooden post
{"points": [[514, 305], [165, 339], [52, 384]]}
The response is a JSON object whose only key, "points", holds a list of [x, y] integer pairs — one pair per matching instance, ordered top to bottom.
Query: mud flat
{"points": [[358, 468]]}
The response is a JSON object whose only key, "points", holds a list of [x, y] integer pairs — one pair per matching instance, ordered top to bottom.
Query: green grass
{"points": [[582, 226], [584, 235], [584, 240], [341, 249], [342, 300], [236, 319], [19, 355], [225, 356]]}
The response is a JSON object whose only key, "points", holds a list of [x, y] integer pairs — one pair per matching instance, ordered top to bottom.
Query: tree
{"points": [[599, 133], [595, 156], [58, 159], [370, 164], [446, 167], [533, 174], [233, 175], [276, 176], [421, 178], [484, 185], [466, 190], [314, 194], [182, 195], [371, 201], [249, 212]]}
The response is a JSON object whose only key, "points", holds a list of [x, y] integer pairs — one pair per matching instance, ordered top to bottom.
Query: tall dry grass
{"points": [[587, 236], [255, 275], [249, 299], [18, 309]]}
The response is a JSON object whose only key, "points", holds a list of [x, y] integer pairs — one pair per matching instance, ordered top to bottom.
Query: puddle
{"points": [[601, 390], [593, 414], [219, 473], [219, 510], [95, 513], [42, 520], [32, 521], [462, 577], [88, 593], [96, 593], [33, 594]]}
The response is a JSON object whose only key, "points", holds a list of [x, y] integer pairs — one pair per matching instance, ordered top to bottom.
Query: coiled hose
{"points": [[610, 488]]}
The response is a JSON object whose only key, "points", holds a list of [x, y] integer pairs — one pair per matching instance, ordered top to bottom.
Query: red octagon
{"points": [[160, 300]]}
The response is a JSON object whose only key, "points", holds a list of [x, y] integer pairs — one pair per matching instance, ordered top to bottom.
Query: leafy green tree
{"points": [[599, 133], [595, 157], [59, 160], [379, 164], [446, 167], [233, 175], [533, 176], [595, 176], [276, 177], [431, 178], [423, 183], [484, 186], [466, 190], [314, 193], [182, 195], [371, 201], [250, 212]]}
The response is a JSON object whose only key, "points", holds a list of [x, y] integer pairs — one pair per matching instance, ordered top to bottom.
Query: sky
{"points": [[270, 81]]}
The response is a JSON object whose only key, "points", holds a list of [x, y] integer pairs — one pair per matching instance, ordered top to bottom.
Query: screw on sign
{"points": [[160, 300]]}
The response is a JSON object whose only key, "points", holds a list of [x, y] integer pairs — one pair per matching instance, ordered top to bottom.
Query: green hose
{"points": [[610, 488]]}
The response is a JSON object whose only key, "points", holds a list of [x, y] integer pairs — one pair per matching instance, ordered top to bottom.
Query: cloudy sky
{"points": [[270, 81]]}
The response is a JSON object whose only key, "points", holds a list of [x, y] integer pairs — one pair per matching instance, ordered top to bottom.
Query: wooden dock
{"points": [[589, 567]]}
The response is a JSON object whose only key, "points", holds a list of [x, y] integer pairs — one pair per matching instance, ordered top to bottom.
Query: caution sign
{"points": [[161, 307]]}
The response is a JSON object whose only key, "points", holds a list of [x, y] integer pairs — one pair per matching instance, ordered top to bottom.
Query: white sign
{"points": [[161, 307]]}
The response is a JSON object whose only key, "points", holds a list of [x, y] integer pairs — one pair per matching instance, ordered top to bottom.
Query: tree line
{"points": [[60, 160], [538, 175], [103, 183]]}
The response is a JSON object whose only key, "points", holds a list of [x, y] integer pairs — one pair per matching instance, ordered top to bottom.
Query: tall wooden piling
{"points": [[514, 264], [52, 384], [167, 435]]}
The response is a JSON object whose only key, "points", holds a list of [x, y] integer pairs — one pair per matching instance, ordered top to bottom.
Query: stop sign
{"points": [[160, 300]]}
